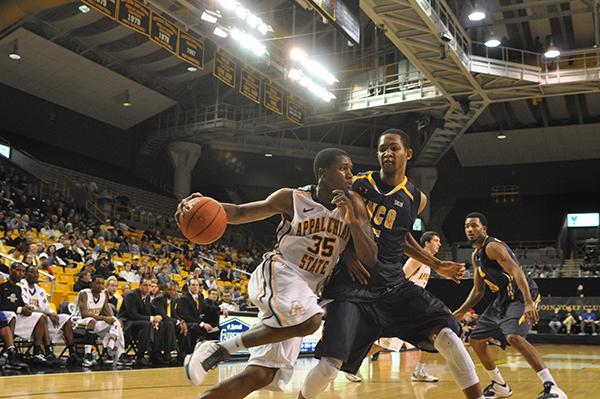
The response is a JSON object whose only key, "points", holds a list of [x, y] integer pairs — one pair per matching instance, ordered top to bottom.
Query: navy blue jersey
{"points": [[392, 211], [496, 278]]}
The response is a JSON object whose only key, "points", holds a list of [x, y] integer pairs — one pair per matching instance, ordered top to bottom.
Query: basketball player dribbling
{"points": [[317, 222]]}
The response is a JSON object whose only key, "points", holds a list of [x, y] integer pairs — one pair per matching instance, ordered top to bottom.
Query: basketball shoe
{"points": [[206, 356], [495, 390], [551, 391]]}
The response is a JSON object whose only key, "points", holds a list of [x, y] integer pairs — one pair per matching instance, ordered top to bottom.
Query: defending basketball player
{"points": [[317, 222], [388, 305], [512, 314]]}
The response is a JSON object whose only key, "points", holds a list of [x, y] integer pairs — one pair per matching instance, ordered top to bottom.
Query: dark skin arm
{"points": [[500, 254], [452, 270], [474, 297], [85, 313]]}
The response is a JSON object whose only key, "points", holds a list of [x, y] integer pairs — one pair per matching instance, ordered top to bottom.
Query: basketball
{"points": [[205, 222]]}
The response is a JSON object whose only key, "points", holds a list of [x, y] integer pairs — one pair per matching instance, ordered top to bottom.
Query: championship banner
{"points": [[327, 6], [106, 7], [134, 15], [163, 32], [191, 50], [224, 68], [250, 84], [273, 98], [295, 109]]}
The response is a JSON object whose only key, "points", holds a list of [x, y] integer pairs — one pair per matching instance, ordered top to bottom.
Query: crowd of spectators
{"points": [[59, 237], [569, 321]]}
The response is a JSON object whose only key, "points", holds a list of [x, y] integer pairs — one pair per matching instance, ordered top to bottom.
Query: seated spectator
{"points": [[17, 223], [19, 240], [67, 254], [53, 258], [135, 262], [103, 266], [175, 266], [226, 274], [129, 275], [164, 277], [83, 282], [211, 283], [125, 289], [213, 297], [114, 298], [228, 304], [166, 306], [248, 306], [193, 309], [93, 313], [571, 318], [589, 319], [141, 322], [28, 323], [555, 323], [59, 325]]}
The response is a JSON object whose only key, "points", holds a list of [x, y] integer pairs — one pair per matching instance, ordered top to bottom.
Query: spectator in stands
{"points": [[17, 223], [19, 240], [67, 253], [53, 258], [135, 262], [44, 265], [103, 266], [175, 266], [128, 274], [226, 274], [164, 277], [84, 281], [211, 283], [154, 288], [125, 289], [112, 294], [213, 297], [228, 304], [166, 305], [248, 306], [196, 311], [571, 318], [589, 319], [141, 322], [28, 323], [555, 323]]}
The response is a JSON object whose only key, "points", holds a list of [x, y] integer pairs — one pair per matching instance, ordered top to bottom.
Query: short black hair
{"points": [[404, 137], [325, 158], [478, 215], [428, 236], [14, 265]]}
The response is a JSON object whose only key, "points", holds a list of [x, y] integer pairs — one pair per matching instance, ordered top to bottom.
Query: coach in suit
{"points": [[166, 306], [193, 309], [141, 322]]}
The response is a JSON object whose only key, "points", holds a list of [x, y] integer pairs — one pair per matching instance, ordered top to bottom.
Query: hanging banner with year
{"points": [[106, 7], [135, 15], [163, 32], [191, 50], [224, 68], [250, 84], [273, 98], [295, 109]]}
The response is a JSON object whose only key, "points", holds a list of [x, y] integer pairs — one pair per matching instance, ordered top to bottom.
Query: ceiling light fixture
{"points": [[83, 8], [476, 15], [210, 16], [220, 32], [492, 42], [552, 51], [14, 54], [192, 68], [127, 101], [501, 136], [268, 155]]}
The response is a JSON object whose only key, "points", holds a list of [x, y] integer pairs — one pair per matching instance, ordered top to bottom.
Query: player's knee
{"points": [[42, 322], [311, 325], [515, 340], [329, 367], [259, 377]]}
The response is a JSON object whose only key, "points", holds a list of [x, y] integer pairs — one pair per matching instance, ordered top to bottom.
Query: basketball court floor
{"points": [[576, 368]]}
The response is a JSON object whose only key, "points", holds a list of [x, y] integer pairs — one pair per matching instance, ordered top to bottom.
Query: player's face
{"points": [[392, 154], [339, 175], [474, 230], [434, 245], [32, 275], [98, 285]]}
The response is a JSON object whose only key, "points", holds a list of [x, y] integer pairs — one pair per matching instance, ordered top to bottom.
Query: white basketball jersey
{"points": [[312, 242], [421, 276], [35, 296], [94, 305]]}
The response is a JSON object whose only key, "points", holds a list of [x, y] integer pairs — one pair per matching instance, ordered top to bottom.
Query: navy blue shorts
{"points": [[3, 319]]}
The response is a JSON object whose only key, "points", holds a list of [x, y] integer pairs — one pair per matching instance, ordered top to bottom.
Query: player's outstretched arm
{"points": [[280, 202], [500, 254], [452, 270], [474, 297]]}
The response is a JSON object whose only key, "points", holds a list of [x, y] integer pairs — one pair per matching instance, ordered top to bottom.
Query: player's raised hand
{"points": [[342, 201], [184, 205], [452, 270]]}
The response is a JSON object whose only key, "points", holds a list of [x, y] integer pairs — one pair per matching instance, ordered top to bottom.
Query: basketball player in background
{"points": [[316, 224], [387, 304], [512, 314]]}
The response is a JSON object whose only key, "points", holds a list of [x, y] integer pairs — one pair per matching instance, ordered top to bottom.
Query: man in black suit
{"points": [[166, 306], [192, 308], [136, 313]]}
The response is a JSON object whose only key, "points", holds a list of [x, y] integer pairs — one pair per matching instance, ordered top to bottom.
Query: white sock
{"points": [[234, 344], [87, 349], [496, 376], [545, 376], [319, 377]]}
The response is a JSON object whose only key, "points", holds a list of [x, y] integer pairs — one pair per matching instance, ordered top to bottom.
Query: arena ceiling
{"points": [[157, 80]]}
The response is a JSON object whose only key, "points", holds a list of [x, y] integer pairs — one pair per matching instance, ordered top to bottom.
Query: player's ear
{"points": [[409, 154]]}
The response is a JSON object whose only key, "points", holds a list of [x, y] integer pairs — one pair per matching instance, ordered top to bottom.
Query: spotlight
{"points": [[228, 4], [84, 9], [241, 12], [476, 15], [211, 17], [252, 20], [263, 28], [219, 32], [492, 42], [552, 51], [14, 54], [297, 54], [192, 68], [294, 74], [127, 101], [501, 136], [268, 155]]}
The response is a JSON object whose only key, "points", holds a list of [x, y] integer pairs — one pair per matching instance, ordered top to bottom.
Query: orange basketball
{"points": [[205, 222]]}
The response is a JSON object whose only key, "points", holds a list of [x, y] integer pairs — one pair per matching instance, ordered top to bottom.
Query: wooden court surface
{"points": [[576, 368]]}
